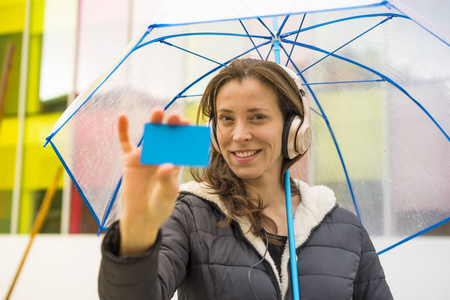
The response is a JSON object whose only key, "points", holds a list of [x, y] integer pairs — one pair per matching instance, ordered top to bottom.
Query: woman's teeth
{"points": [[245, 154]]}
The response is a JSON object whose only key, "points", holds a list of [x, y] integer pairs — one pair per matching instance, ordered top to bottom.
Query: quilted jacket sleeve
{"points": [[153, 275], [370, 281]]}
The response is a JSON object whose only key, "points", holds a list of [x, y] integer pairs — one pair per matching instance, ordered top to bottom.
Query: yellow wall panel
{"points": [[12, 16], [37, 17], [34, 65], [357, 121], [8, 132], [8, 141], [40, 164], [26, 212]]}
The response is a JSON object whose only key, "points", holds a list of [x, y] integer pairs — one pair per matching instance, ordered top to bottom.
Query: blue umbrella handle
{"points": [[276, 42], [287, 188], [293, 254]]}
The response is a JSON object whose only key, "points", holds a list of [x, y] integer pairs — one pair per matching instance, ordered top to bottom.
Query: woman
{"points": [[224, 236]]}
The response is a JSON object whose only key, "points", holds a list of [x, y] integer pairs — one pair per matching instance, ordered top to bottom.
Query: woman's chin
{"points": [[246, 174]]}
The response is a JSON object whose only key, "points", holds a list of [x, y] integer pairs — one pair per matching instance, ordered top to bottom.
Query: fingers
{"points": [[157, 115], [174, 119], [185, 122], [124, 138], [167, 171], [168, 175]]}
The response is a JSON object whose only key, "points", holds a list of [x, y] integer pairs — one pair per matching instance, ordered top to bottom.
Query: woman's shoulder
{"points": [[198, 189], [200, 193], [317, 200], [322, 200], [195, 211], [343, 215]]}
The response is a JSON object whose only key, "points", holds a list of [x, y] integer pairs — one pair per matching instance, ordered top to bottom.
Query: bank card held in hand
{"points": [[182, 145]]}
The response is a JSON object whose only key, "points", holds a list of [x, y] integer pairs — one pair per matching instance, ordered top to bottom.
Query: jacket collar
{"points": [[316, 202]]}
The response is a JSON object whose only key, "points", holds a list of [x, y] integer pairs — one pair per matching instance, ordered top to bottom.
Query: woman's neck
{"points": [[270, 193], [273, 197]]}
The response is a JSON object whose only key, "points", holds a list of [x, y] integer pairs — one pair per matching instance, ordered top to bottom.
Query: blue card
{"points": [[182, 145]]}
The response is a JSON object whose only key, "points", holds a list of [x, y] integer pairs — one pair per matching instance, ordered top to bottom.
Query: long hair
{"points": [[229, 187]]}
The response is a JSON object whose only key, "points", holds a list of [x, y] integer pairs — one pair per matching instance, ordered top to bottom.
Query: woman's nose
{"points": [[241, 132]]}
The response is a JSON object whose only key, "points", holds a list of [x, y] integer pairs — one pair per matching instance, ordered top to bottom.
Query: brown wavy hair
{"points": [[229, 187]]}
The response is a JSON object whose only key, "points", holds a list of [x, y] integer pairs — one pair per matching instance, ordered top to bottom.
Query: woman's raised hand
{"points": [[148, 191]]}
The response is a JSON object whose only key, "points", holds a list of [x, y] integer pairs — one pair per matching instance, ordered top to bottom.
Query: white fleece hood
{"points": [[316, 203]]}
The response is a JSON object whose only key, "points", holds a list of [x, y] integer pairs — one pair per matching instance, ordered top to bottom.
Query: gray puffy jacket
{"points": [[336, 259]]}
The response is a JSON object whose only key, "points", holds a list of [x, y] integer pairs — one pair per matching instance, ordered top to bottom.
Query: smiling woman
{"points": [[252, 102], [229, 227]]}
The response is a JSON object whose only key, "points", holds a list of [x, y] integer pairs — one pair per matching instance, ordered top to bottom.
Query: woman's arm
{"points": [[148, 192], [131, 246], [155, 274]]}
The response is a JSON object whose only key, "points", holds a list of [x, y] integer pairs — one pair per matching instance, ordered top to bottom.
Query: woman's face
{"points": [[249, 129]]}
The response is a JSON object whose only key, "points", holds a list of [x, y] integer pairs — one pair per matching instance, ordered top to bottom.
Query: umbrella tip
{"points": [[47, 139], [100, 229]]}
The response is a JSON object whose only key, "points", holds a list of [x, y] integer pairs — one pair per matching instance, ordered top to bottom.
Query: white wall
{"points": [[57, 267], [66, 267], [419, 269]]}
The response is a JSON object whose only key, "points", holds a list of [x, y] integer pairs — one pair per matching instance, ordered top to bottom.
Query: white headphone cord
{"points": [[262, 259]]}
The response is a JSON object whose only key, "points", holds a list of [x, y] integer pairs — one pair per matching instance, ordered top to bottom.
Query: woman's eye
{"points": [[259, 117], [225, 118]]}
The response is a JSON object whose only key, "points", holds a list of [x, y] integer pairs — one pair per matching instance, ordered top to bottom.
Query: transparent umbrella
{"points": [[377, 79]]}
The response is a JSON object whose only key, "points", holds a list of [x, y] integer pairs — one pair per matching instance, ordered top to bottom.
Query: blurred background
{"points": [[58, 49]]}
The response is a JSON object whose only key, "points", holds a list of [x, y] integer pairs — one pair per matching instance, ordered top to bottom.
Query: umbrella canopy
{"points": [[377, 78]]}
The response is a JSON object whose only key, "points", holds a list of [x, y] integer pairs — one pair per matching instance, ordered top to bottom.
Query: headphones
{"points": [[296, 136]]}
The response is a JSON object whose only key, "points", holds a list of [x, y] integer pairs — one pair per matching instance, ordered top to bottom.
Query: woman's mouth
{"points": [[242, 155]]}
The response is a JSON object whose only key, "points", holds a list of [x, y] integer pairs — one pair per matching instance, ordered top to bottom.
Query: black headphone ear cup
{"points": [[214, 142]]}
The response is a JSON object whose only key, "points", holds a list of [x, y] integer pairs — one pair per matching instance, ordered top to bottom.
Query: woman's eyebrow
{"points": [[257, 109], [224, 110], [250, 110]]}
